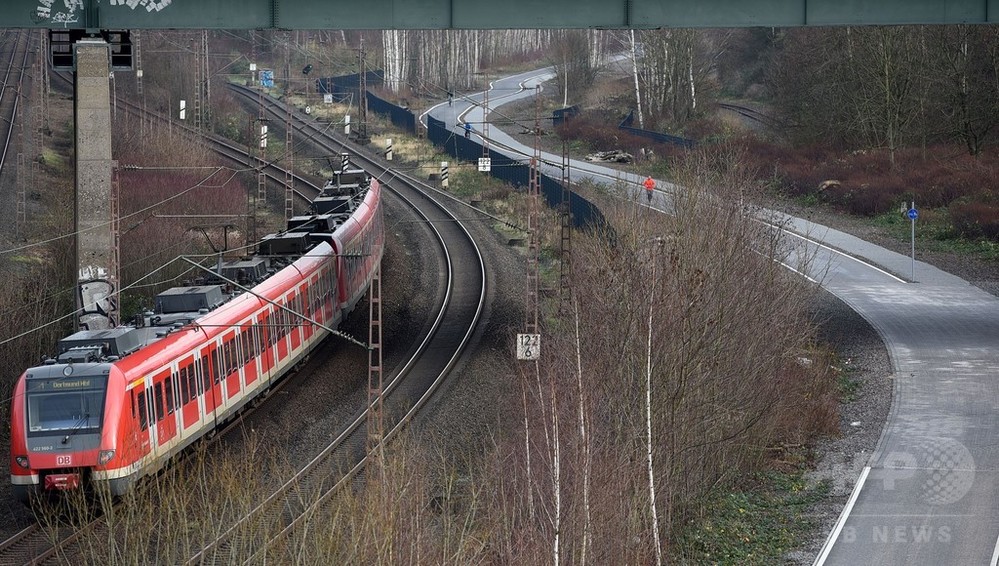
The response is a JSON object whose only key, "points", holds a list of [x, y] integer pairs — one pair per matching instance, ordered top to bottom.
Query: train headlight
{"points": [[104, 456], [22, 461]]}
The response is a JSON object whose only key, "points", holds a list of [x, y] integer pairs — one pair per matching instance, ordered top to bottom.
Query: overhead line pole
{"points": [[534, 245]]}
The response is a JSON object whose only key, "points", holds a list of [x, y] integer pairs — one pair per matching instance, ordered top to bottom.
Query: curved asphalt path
{"points": [[930, 491]]}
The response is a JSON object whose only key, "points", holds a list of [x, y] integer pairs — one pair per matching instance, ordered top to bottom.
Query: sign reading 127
{"points": [[528, 346]]}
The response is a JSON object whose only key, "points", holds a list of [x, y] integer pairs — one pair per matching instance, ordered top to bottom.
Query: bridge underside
{"points": [[484, 14]]}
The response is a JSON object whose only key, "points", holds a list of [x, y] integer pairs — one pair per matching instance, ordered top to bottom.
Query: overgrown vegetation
{"points": [[684, 340]]}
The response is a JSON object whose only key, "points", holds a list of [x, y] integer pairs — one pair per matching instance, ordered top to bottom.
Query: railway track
{"points": [[16, 41], [752, 115], [406, 390]]}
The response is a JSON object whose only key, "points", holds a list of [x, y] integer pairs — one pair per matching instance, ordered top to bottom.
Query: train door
{"points": [[308, 303], [296, 321], [280, 328], [248, 342], [264, 343], [230, 350], [188, 388], [212, 392], [151, 412], [166, 421], [143, 438]]}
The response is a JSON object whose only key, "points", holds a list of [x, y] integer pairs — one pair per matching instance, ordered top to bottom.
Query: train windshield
{"points": [[66, 405]]}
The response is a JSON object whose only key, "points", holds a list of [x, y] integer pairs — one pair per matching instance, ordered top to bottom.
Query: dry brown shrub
{"points": [[729, 328]]}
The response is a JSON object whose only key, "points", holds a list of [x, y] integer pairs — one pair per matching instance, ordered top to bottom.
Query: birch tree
{"points": [[672, 71]]}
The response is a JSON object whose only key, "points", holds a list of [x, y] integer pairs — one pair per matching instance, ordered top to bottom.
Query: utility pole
{"points": [[137, 51], [198, 90], [362, 102], [485, 121], [289, 175], [565, 215], [534, 244], [376, 423]]}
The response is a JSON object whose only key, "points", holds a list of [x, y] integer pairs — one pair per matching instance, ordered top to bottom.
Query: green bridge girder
{"points": [[483, 14]]}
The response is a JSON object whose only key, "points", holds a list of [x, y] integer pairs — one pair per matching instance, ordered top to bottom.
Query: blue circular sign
{"points": [[913, 214]]}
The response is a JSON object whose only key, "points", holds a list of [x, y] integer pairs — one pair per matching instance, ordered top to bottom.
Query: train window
{"points": [[244, 345], [241, 347], [231, 356], [218, 363], [206, 374], [192, 383], [182, 386], [168, 387], [159, 402], [143, 417]]}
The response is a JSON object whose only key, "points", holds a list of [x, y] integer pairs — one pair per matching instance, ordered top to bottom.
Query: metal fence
{"points": [[349, 84], [626, 125], [514, 171], [517, 172]]}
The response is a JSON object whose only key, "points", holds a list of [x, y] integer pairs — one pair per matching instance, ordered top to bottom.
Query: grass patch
{"points": [[54, 161], [934, 232], [847, 385], [759, 524]]}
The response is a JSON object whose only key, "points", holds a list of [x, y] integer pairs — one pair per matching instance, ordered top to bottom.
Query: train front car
{"points": [[60, 430]]}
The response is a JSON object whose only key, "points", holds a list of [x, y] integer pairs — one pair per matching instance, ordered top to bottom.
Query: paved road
{"points": [[930, 492]]}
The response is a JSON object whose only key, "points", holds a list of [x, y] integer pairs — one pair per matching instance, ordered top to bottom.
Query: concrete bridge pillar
{"points": [[95, 254]]}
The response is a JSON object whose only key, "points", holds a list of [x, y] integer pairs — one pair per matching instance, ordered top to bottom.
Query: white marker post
{"points": [[183, 109], [346, 125], [388, 149], [444, 174], [913, 215], [528, 347]]}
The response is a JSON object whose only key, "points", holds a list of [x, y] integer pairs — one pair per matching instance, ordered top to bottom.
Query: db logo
{"points": [[66, 460]]}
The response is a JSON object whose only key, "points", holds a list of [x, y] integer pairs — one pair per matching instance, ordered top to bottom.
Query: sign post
{"points": [[913, 214]]}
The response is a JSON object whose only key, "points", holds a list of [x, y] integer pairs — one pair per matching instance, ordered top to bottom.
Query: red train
{"points": [[116, 405]]}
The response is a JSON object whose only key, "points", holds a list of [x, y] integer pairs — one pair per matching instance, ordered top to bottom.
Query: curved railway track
{"points": [[10, 100], [751, 114], [406, 390]]}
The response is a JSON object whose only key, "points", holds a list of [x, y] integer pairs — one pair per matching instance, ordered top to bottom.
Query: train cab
{"points": [[62, 406]]}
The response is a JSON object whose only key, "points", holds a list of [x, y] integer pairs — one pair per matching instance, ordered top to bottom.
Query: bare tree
{"points": [[572, 57]]}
